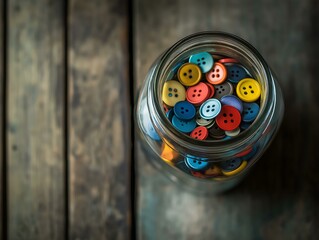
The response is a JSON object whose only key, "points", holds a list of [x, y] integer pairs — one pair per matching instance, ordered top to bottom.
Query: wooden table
{"points": [[70, 165]]}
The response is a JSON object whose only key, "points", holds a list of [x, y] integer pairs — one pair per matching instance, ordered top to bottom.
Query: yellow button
{"points": [[189, 74], [248, 90], [173, 92], [168, 154], [237, 170]]}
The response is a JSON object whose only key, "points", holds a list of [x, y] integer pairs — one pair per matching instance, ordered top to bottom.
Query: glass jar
{"points": [[168, 148]]}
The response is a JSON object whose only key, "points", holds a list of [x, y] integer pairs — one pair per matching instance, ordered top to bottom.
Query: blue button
{"points": [[204, 60], [235, 73], [233, 101], [210, 108], [184, 110], [250, 112], [170, 114], [182, 125], [244, 125], [148, 127], [251, 154], [196, 163], [231, 164], [183, 167]]}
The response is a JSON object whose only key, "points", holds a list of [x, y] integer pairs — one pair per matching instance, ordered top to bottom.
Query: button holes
{"points": [[203, 58], [198, 60], [204, 63], [198, 64], [190, 70], [213, 70], [217, 70], [232, 71], [237, 71], [185, 74], [213, 75], [218, 75], [232, 75], [237, 75], [190, 77], [250, 86], [221, 87], [244, 88], [170, 89], [175, 90], [195, 90], [200, 90], [223, 90], [220, 91], [252, 91], [245, 93], [170, 95], [176, 95], [194, 95], [213, 105], [208, 106], [182, 108], [249, 108], [186, 110], [207, 110], [213, 110], [251, 111], [182, 112], [246, 112], [231, 114], [224, 115], [232, 120], [225, 121], [182, 124], [200, 131], [195, 133], [200, 134], [196, 137], [194, 161], [233, 161], [199, 162], [232, 165]]}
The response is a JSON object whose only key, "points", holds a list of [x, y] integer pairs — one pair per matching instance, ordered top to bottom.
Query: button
{"points": [[204, 60], [228, 60], [178, 65], [235, 73], [189, 74], [217, 74], [223, 89], [212, 90], [248, 90], [173, 92], [198, 94], [233, 101], [165, 108], [210, 108], [184, 110], [250, 112], [170, 114], [229, 118], [203, 122], [147, 124], [182, 125], [244, 125], [216, 132], [199, 133], [233, 133], [245, 152], [168, 154], [251, 154], [196, 163], [231, 164], [181, 165], [213, 171], [235, 171], [198, 174]]}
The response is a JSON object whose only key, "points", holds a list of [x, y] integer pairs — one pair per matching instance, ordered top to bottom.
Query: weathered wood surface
{"points": [[2, 92], [99, 108], [35, 125], [279, 199]]}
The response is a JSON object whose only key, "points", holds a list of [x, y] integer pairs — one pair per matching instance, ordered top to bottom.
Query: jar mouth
{"points": [[219, 43]]}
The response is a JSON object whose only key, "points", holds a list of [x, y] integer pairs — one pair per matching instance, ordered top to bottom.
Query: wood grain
{"points": [[99, 120], [35, 128], [278, 200]]}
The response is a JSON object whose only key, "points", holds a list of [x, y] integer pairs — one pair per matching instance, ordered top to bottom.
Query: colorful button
{"points": [[204, 60], [228, 60], [235, 73], [189, 74], [217, 74], [223, 89], [212, 90], [248, 90], [173, 92], [198, 94], [233, 101], [165, 108], [210, 108], [184, 110], [250, 112], [170, 114], [229, 118], [203, 122], [147, 125], [182, 125], [244, 125], [216, 132], [199, 133], [233, 133], [168, 154], [251, 154], [196, 163], [231, 164], [181, 165], [213, 171], [235, 171]]}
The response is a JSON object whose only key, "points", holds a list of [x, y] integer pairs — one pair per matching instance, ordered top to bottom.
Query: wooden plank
{"points": [[2, 92], [35, 125], [99, 152], [278, 200]]}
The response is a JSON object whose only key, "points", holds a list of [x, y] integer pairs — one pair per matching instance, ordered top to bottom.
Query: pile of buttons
{"points": [[211, 98]]}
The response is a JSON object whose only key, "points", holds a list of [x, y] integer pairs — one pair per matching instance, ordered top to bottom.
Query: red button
{"points": [[227, 60], [217, 74], [212, 90], [198, 94], [165, 108], [229, 118], [200, 133], [245, 152], [198, 174]]}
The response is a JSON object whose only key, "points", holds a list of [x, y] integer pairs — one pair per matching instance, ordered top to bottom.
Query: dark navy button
{"points": [[204, 60], [235, 73], [233, 101], [184, 110], [250, 112], [170, 114], [182, 125], [216, 132], [196, 163], [231, 164]]}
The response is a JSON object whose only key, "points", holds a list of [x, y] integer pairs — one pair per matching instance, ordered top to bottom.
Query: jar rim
{"points": [[210, 147]]}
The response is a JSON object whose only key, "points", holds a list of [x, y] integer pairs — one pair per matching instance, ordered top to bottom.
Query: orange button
{"points": [[217, 74]]}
